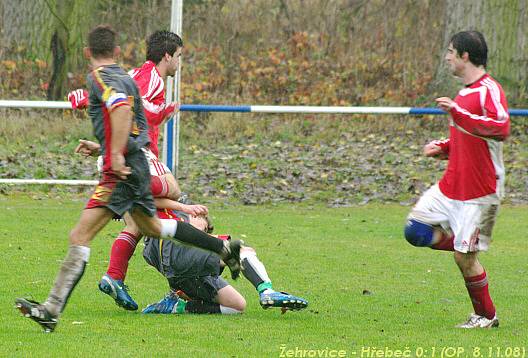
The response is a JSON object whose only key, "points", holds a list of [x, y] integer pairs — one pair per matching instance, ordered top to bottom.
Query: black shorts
{"points": [[121, 196], [199, 288]]}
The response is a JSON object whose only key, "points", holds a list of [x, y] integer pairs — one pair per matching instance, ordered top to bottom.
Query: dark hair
{"points": [[102, 41], [160, 43], [474, 44]]}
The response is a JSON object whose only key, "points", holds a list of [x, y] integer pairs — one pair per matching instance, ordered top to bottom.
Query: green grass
{"points": [[329, 256]]}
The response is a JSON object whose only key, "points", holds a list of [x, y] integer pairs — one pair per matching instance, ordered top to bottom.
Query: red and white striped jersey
{"points": [[152, 91], [479, 124]]}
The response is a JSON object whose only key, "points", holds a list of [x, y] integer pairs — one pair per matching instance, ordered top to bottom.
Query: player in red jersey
{"points": [[458, 213]]}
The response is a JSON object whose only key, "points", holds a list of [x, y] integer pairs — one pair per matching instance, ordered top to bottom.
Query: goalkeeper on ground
{"points": [[194, 276]]}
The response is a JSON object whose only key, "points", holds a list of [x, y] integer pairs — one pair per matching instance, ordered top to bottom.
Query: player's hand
{"points": [[78, 98], [445, 103], [170, 109], [87, 148], [432, 149], [118, 166], [195, 210]]}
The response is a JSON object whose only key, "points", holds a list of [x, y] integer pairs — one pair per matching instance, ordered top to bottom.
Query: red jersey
{"points": [[152, 90], [478, 125]]}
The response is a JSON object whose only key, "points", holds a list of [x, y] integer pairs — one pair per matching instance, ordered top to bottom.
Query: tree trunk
{"points": [[22, 24], [503, 24], [56, 88]]}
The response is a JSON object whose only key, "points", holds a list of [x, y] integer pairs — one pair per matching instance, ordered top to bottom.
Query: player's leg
{"points": [[163, 183], [165, 186], [174, 191], [143, 213], [428, 223], [180, 231], [422, 234], [473, 234], [122, 249], [70, 272], [255, 272], [112, 282], [208, 295], [230, 300]]}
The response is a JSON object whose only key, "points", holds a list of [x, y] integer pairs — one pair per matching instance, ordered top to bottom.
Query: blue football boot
{"points": [[118, 291], [282, 300], [168, 304]]}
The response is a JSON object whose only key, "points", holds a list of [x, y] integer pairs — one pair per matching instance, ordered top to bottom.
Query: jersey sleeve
{"points": [[108, 92], [154, 101], [154, 111], [494, 122], [443, 144]]}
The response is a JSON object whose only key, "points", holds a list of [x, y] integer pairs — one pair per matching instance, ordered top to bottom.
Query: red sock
{"points": [[159, 187], [446, 243], [122, 250], [477, 287]]}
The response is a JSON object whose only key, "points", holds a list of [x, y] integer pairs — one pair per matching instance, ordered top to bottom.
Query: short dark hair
{"points": [[102, 41], [160, 43], [474, 44]]}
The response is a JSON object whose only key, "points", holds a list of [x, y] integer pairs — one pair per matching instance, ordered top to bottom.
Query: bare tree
{"points": [[504, 24]]}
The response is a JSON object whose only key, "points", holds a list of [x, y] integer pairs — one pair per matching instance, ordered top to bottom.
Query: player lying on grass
{"points": [[194, 276], [112, 282]]}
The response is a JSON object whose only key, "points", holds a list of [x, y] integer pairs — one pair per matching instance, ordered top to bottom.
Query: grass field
{"points": [[329, 256]]}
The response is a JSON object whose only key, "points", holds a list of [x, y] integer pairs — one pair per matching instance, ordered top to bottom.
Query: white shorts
{"points": [[156, 167], [471, 223]]}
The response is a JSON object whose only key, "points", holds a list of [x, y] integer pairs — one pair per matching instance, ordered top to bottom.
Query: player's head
{"points": [[102, 43], [467, 46], [164, 48], [203, 223]]}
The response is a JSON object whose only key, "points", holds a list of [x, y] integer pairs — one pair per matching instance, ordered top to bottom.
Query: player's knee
{"points": [[418, 233], [78, 236], [246, 251], [240, 304]]}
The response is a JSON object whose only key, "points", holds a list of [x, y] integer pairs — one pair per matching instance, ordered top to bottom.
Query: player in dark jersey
{"points": [[163, 52], [120, 127], [196, 274]]}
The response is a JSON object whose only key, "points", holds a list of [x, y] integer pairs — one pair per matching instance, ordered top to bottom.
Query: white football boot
{"points": [[476, 321]]}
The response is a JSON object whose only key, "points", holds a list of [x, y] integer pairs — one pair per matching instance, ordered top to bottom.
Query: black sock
{"points": [[188, 234], [250, 273], [201, 307]]}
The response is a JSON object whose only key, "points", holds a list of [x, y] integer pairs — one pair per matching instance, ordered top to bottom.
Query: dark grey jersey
{"points": [[110, 87], [175, 260]]}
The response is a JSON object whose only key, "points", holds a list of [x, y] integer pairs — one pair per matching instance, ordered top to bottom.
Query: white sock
{"points": [[168, 228], [84, 252], [228, 310]]}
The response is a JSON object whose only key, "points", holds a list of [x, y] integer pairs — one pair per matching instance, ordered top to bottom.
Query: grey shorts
{"points": [[199, 288]]}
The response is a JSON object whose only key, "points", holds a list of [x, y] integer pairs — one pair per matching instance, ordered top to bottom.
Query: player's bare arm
{"points": [[445, 103], [121, 122], [88, 148], [433, 150], [194, 210]]}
